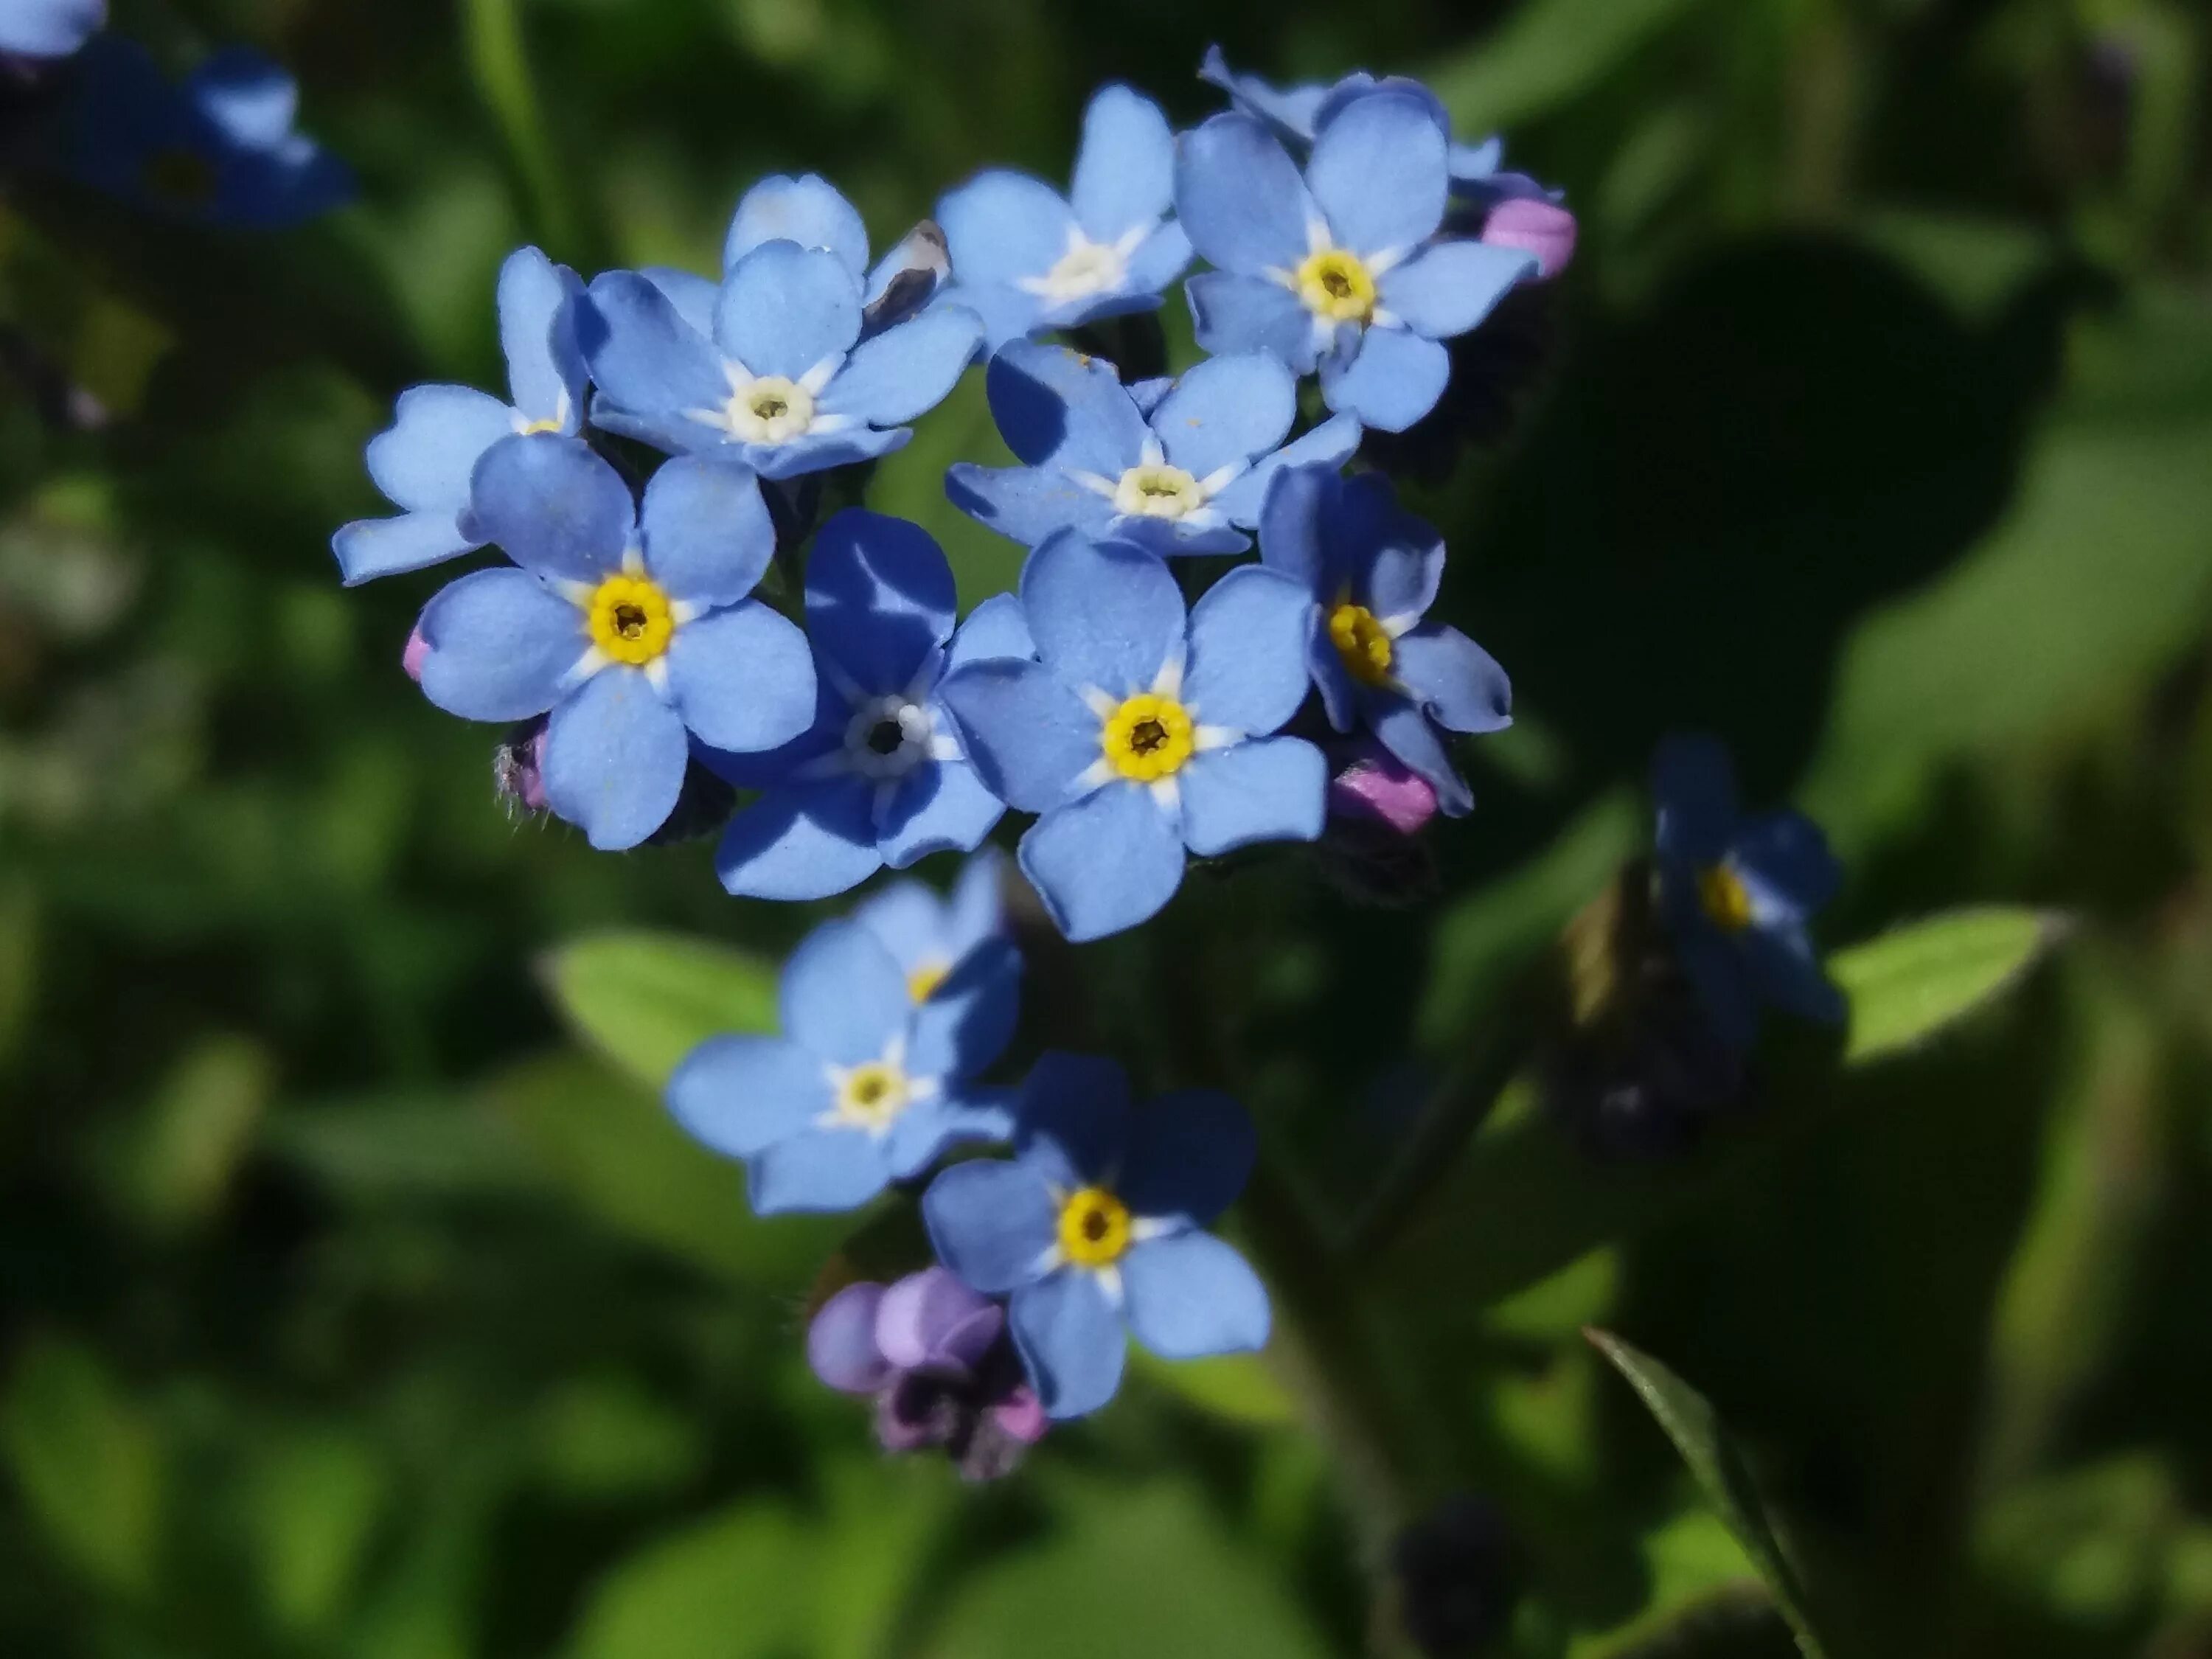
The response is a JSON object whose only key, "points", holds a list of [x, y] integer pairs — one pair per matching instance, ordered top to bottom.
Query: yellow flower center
{"points": [[181, 176], [1335, 283], [771, 410], [1157, 492], [630, 619], [1362, 640], [1148, 736], [1726, 899], [921, 984], [872, 1095], [1094, 1227]]}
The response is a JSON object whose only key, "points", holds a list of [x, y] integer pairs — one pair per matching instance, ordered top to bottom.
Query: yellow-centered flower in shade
{"points": [[1336, 283], [630, 619], [1362, 641], [1147, 737], [1725, 898], [922, 983], [874, 1094], [1094, 1227]]}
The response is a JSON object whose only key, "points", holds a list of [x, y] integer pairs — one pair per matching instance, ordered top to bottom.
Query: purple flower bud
{"points": [[1534, 226], [411, 658], [518, 765], [1378, 788], [840, 1343]]}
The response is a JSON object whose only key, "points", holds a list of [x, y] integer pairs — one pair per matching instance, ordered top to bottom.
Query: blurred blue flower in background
{"points": [[48, 28], [218, 149], [1025, 257], [1339, 268], [424, 461], [1190, 479], [1372, 570], [631, 633], [1142, 730], [879, 776], [1737, 893], [930, 935], [865, 1086], [1097, 1223]]}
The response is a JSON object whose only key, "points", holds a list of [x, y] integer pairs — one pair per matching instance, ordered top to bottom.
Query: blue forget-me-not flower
{"points": [[48, 28], [219, 149], [1025, 257], [1340, 267], [776, 368], [424, 461], [1176, 467], [1371, 570], [633, 629], [1142, 730], [879, 776], [1737, 893], [929, 934], [865, 1087], [1097, 1225]]}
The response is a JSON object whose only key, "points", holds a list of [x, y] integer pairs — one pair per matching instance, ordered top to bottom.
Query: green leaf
{"points": [[1550, 51], [1912, 983], [644, 1001], [177, 1163], [1237, 1386], [1691, 1422], [87, 1464], [313, 1501], [736, 1587], [1701, 1589]]}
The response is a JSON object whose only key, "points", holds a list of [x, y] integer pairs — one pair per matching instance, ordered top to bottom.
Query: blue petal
{"points": [[53, 29], [1360, 85], [250, 99], [1291, 111], [1125, 167], [1378, 171], [1240, 198], [807, 211], [1001, 226], [1160, 259], [1451, 287], [691, 294], [784, 308], [1235, 312], [1007, 314], [538, 332], [647, 361], [906, 370], [1395, 380], [1057, 406], [1226, 411], [1328, 447], [820, 451], [423, 460], [1029, 504], [555, 507], [1293, 528], [707, 538], [369, 548], [1395, 560], [880, 598], [1104, 615], [995, 628], [500, 646], [1248, 651], [743, 677], [1457, 683], [1407, 733], [1027, 734], [615, 758], [769, 768], [1694, 786], [1270, 789], [952, 815], [801, 842], [1785, 858], [1104, 863], [977, 908], [909, 917], [1786, 973], [1722, 978], [843, 996], [968, 1019], [740, 1094], [1072, 1121], [925, 1129], [1190, 1154], [818, 1171], [991, 1223], [1190, 1295], [841, 1341], [1071, 1341]]}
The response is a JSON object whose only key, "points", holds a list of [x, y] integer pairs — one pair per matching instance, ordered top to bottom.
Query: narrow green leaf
{"points": [[1546, 53], [1908, 985], [644, 1001], [1235, 1386], [1691, 1422], [85, 1463]]}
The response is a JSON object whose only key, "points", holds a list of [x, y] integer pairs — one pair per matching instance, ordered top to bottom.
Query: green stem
{"points": [[500, 64]]}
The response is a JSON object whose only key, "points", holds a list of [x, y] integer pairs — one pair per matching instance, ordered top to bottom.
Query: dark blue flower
{"points": [[48, 28], [219, 149], [1025, 257], [1340, 267], [773, 365], [424, 461], [1189, 479], [1371, 569], [632, 629], [1142, 730], [879, 777], [1737, 893], [930, 936], [864, 1087], [1096, 1225]]}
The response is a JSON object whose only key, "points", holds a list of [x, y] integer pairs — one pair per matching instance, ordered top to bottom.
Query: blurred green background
{"points": [[350, 1305]]}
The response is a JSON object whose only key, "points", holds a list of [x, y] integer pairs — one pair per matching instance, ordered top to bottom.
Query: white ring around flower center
{"points": [[1087, 268], [770, 411], [1153, 489], [889, 736]]}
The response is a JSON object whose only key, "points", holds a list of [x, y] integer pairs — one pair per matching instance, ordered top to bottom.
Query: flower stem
{"points": [[492, 31]]}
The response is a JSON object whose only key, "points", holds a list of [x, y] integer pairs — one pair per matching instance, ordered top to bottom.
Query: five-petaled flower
{"points": [[1025, 257], [1340, 267], [423, 462], [1177, 467], [1372, 569], [633, 629], [1142, 730], [879, 777], [1737, 893], [930, 936], [865, 1087], [1097, 1222]]}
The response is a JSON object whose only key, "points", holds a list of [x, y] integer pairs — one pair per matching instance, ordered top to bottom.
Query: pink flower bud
{"points": [[1534, 226], [411, 658], [1378, 787]]}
